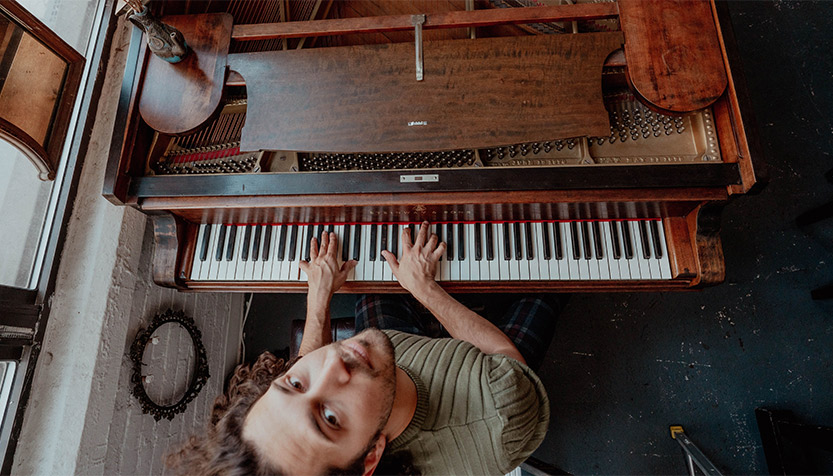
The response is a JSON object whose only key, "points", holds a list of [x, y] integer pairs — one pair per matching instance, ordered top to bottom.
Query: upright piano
{"points": [[575, 147]]}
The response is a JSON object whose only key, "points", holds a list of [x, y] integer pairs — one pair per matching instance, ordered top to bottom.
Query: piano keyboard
{"points": [[587, 250]]}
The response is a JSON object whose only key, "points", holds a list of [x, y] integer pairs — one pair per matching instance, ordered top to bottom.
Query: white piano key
{"points": [[560, 240], [257, 244], [590, 252], [500, 257], [604, 259], [611, 261], [633, 261], [653, 261], [665, 261], [196, 263], [523, 263], [642, 263], [249, 264], [444, 264], [454, 264], [483, 264], [494, 264], [379, 265], [514, 265], [555, 265], [624, 267], [538, 268], [223, 269], [470, 269], [293, 270], [574, 270], [274, 271], [202, 272], [366, 273], [237, 274]]}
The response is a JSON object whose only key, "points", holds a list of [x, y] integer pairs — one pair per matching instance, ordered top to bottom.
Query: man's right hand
{"points": [[418, 265]]}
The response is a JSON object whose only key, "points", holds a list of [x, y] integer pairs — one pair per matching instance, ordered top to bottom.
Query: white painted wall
{"points": [[81, 418]]}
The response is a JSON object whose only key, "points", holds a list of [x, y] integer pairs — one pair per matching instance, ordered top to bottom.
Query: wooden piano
{"points": [[576, 147]]}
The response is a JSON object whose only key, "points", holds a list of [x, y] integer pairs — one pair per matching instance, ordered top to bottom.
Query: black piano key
{"points": [[655, 224], [331, 228], [413, 230], [438, 230], [319, 233], [643, 235], [232, 236], [576, 237], [597, 238], [394, 239], [585, 239], [626, 239], [247, 241], [308, 241], [449, 241], [461, 241], [490, 241], [558, 241], [616, 241], [267, 242], [282, 242], [293, 242], [357, 242], [383, 242], [478, 242], [507, 242], [517, 242], [546, 242], [221, 243], [345, 243], [204, 245], [256, 245], [530, 248], [372, 253]]}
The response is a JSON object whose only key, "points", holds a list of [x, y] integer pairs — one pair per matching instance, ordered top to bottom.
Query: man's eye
{"points": [[295, 383], [330, 417]]}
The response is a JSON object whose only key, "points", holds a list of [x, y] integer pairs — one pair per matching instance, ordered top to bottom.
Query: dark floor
{"points": [[623, 367]]}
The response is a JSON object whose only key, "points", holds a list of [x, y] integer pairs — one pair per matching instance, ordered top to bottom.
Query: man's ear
{"points": [[374, 455]]}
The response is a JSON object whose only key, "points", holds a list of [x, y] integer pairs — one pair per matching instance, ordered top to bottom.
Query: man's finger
{"points": [[423, 233], [406, 239], [325, 242], [432, 242], [313, 249], [332, 249], [438, 253], [391, 259], [304, 265], [348, 265]]}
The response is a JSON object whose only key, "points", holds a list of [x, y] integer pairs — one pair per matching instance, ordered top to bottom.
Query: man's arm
{"points": [[416, 271], [324, 278]]}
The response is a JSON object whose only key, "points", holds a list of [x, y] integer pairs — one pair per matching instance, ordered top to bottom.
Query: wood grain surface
{"points": [[673, 53], [476, 93], [176, 98]]}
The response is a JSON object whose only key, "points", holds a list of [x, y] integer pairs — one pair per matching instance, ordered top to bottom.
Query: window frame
{"points": [[29, 309]]}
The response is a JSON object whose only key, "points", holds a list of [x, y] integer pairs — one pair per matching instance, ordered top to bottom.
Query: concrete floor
{"points": [[623, 367]]}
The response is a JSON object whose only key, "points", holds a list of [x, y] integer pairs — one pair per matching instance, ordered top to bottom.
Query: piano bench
{"points": [[342, 328]]}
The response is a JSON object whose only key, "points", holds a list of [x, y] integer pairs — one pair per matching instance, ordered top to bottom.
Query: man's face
{"points": [[325, 409]]}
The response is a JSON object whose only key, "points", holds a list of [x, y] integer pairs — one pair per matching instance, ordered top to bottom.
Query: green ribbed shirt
{"points": [[476, 413]]}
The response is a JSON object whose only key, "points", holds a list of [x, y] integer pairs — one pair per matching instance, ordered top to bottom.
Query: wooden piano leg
{"points": [[704, 224], [168, 234]]}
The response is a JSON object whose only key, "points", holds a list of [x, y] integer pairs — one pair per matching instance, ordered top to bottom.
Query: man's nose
{"points": [[335, 371]]}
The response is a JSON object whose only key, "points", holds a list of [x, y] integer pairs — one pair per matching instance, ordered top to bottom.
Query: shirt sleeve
{"points": [[523, 406]]}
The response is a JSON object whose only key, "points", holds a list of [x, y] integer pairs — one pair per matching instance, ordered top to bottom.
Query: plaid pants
{"points": [[529, 321]]}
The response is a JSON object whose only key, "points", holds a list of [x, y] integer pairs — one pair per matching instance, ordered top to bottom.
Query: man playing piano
{"points": [[386, 401]]}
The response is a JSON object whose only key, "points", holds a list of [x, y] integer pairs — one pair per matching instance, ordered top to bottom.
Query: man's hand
{"points": [[418, 264], [324, 275]]}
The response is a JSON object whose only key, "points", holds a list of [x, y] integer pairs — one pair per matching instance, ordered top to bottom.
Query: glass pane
{"points": [[72, 20], [23, 205], [7, 369]]}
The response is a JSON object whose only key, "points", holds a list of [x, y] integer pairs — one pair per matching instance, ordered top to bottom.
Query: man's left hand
{"points": [[324, 275]]}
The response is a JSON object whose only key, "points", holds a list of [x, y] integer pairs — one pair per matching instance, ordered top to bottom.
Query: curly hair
{"points": [[221, 450]]}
